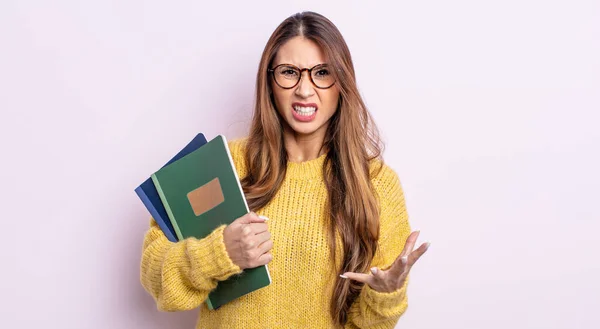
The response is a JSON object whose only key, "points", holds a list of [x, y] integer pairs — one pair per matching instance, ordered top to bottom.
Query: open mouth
{"points": [[305, 111]]}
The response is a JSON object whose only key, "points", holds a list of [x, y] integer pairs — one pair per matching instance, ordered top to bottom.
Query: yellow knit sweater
{"points": [[180, 275]]}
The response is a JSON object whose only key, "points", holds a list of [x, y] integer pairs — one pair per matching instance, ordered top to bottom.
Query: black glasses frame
{"points": [[301, 74]]}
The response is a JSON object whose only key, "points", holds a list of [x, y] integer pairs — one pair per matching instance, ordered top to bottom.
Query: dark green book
{"points": [[200, 192]]}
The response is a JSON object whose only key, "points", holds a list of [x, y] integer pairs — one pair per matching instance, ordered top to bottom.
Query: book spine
{"points": [[167, 207], [155, 214], [209, 303]]}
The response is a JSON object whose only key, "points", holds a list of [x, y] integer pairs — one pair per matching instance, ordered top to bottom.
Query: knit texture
{"points": [[180, 275]]}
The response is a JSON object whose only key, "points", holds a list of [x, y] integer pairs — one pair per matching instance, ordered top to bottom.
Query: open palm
{"points": [[394, 277]]}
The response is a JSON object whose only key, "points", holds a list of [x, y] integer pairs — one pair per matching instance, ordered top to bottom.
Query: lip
{"points": [[305, 105], [303, 118]]}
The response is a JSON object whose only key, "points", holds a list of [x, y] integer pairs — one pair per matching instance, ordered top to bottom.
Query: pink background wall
{"points": [[490, 111]]}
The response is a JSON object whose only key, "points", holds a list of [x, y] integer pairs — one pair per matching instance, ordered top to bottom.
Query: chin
{"points": [[305, 130]]}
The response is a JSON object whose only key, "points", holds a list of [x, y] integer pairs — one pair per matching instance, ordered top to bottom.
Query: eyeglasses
{"points": [[287, 76]]}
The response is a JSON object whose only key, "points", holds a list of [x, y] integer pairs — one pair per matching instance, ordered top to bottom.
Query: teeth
{"points": [[305, 111]]}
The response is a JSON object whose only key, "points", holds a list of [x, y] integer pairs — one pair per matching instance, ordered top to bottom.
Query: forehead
{"points": [[301, 52]]}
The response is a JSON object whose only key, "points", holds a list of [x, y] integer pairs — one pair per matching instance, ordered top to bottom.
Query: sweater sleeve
{"points": [[180, 275], [373, 309]]}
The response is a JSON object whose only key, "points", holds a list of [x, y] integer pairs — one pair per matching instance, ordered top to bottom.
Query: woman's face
{"points": [[305, 108]]}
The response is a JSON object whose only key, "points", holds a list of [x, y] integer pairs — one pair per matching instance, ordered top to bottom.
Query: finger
{"points": [[252, 217], [258, 228], [262, 237], [410, 243], [265, 247], [415, 255], [263, 260], [401, 262], [399, 266], [378, 273], [360, 277]]}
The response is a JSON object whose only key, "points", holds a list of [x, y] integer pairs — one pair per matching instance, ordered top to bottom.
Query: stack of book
{"points": [[194, 193]]}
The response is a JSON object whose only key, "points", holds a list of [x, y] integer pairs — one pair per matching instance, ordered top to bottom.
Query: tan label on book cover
{"points": [[206, 197]]}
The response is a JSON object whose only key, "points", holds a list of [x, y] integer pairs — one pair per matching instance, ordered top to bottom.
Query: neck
{"points": [[302, 147]]}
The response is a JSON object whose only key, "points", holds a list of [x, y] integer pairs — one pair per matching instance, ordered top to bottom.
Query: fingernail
{"points": [[264, 217], [427, 244], [404, 259], [374, 270], [343, 276]]}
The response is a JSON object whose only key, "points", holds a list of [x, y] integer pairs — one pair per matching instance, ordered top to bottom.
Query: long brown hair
{"points": [[351, 142]]}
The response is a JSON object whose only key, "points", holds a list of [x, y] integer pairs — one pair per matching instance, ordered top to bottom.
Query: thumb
{"points": [[360, 277]]}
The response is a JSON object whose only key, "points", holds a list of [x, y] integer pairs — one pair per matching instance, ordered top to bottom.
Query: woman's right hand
{"points": [[248, 241]]}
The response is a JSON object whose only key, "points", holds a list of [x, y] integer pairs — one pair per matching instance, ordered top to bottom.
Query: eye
{"points": [[287, 72], [322, 72]]}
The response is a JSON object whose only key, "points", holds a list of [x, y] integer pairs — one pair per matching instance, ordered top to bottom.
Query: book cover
{"points": [[202, 191], [149, 195]]}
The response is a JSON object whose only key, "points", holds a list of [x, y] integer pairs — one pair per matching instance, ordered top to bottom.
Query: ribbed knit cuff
{"points": [[209, 258], [384, 303]]}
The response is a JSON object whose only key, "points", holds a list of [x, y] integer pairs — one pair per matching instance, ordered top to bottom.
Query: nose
{"points": [[304, 88]]}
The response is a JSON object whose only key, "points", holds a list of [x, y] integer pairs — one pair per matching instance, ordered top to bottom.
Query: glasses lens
{"points": [[286, 76], [322, 76]]}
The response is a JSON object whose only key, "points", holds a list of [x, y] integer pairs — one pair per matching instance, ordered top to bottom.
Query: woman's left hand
{"points": [[394, 277]]}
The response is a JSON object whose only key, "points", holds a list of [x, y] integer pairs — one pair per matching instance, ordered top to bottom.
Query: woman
{"points": [[338, 241]]}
